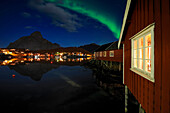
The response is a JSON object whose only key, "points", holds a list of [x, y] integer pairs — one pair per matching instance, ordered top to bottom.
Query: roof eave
{"points": [[124, 21]]}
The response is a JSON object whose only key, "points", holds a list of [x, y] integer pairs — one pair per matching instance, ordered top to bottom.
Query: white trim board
{"points": [[124, 21], [143, 31]]}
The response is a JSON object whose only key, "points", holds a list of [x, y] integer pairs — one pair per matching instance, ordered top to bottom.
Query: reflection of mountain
{"points": [[34, 70]]}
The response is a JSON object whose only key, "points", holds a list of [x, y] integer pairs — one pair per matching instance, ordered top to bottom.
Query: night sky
{"points": [[66, 22]]}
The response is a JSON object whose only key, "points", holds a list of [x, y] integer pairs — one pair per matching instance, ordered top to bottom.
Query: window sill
{"points": [[143, 75]]}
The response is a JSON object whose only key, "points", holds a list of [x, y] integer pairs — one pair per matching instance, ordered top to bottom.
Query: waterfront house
{"points": [[145, 36], [109, 52], [110, 56]]}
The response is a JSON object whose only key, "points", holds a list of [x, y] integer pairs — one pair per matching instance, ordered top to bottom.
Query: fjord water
{"points": [[41, 87]]}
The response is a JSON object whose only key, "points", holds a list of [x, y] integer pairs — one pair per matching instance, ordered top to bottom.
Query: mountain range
{"points": [[33, 42], [36, 42]]}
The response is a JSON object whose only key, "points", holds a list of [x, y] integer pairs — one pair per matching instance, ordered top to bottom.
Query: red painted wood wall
{"points": [[118, 56], [154, 97]]}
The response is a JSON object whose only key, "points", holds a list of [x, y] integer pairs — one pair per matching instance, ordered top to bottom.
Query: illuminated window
{"points": [[104, 53], [111, 53], [143, 53], [100, 54]]}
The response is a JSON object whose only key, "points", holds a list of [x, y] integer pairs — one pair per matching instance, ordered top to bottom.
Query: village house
{"points": [[109, 55]]}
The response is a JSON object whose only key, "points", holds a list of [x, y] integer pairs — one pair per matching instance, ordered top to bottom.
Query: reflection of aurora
{"points": [[36, 68]]}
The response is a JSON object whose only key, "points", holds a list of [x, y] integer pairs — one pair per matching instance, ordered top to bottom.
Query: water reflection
{"points": [[61, 61], [35, 68], [111, 83]]}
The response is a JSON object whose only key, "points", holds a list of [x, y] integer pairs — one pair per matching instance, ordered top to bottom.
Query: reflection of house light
{"points": [[36, 56], [42, 58], [88, 58], [30, 59], [38, 59], [47, 59], [61, 59], [81, 59], [69, 60], [22, 61], [12, 64], [13, 76]]}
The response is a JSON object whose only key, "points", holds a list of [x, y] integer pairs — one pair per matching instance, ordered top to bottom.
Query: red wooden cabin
{"points": [[145, 35], [109, 52]]}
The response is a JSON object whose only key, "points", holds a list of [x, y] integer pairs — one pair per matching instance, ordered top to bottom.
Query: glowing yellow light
{"points": [[61, 59]]}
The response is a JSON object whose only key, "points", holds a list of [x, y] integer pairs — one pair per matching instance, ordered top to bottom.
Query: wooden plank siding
{"points": [[165, 21], [118, 56], [154, 97]]}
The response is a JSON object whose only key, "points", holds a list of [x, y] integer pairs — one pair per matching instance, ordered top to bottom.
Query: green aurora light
{"points": [[81, 6]]}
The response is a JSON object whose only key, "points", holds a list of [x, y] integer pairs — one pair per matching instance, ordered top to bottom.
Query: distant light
{"points": [[13, 76]]}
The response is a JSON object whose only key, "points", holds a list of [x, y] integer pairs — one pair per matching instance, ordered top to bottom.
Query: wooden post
{"points": [[110, 65], [120, 66], [126, 99]]}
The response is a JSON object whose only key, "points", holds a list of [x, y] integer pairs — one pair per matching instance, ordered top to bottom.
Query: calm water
{"points": [[49, 87]]}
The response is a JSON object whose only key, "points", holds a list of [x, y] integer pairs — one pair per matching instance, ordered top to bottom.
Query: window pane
{"points": [[148, 40], [141, 42], [135, 44], [104, 53], [111, 53], [135, 53], [141, 53], [148, 53], [100, 54], [140, 62], [135, 63], [148, 65]]}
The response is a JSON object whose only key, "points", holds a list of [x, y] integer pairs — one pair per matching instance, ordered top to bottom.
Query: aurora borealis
{"points": [[82, 6], [66, 22]]}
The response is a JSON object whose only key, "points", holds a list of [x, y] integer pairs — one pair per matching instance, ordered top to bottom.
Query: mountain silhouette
{"points": [[33, 42]]}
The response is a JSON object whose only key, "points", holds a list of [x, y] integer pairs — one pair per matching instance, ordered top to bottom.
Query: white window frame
{"points": [[104, 54], [111, 54], [147, 75]]}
